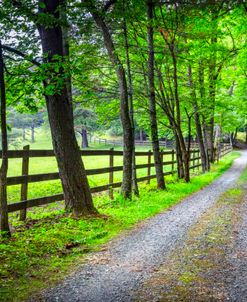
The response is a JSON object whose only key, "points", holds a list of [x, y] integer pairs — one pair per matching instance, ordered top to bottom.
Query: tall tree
{"points": [[98, 16], [47, 17], [151, 98], [131, 105], [71, 168], [4, 223]]}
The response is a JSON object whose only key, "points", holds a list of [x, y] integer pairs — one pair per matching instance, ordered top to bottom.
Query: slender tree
{"points": [[98, 17], [151, 98], [131, 106], [4, 223]]}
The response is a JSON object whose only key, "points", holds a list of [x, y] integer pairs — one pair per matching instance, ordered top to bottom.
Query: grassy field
{"points": [[47, 165], [51, 243]]}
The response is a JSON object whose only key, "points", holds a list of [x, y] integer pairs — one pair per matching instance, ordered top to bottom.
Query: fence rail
{"points": [[168, 144], [27, 178]]}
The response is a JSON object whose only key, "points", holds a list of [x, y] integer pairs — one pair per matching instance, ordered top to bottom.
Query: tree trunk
{"points": [[212, 93], [130, 95], [151, 100], [197, 122], [203, 128], [24, 134], [32, 134], [245, 134], [141, 135], [217, 140], [84, 144], [185, 155], [204, 158], [180, 167], [126, 188], [76, 189], [4, 222]]}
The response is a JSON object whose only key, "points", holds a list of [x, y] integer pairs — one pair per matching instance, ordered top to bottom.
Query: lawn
{"points": [[49, 164], [51, 243]]}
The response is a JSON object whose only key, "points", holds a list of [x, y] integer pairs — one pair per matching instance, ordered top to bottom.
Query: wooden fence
{"points": [[167, 144], [26, 178]]}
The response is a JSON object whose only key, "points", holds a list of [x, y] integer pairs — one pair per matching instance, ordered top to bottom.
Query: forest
{"points": [[137, 75]]}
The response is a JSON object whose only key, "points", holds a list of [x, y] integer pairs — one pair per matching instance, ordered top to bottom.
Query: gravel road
{"points": [[238, 260], [113, 274]]}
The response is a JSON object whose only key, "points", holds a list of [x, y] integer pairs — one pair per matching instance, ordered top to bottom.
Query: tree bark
{"points": [[212, 77], [151, 99], [131, 108], [197, 122], [203, 128], [23, 134], [32, 134], [245, 134], [141, 135], [84, 142], [180, 167], [75, 185], [126, 188], [4, 222]]}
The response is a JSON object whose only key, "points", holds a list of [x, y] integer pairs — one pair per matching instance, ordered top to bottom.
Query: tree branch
{"points": [[21, 54]]}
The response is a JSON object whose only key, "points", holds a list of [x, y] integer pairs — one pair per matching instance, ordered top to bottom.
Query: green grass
{"points": [[241, 136], [49, 164], [50, 244]]}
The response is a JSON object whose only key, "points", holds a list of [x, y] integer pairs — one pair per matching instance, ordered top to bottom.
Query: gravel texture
{"points": [[238, 260], [115, 273]]}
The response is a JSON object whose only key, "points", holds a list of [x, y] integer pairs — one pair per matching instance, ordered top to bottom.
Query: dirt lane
{"points": [[117, 273]]}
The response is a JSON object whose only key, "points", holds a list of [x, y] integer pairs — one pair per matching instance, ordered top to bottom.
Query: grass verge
{"points": [[47, 246]]}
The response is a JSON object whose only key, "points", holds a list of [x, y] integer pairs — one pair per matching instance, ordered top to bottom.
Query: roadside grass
{"points": [[51, 244]]}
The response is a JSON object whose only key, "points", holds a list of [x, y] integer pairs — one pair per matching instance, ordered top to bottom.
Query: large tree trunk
{"points": [[151, 100], [131, 108], [76, 189], [126, 189], [4, 223]]}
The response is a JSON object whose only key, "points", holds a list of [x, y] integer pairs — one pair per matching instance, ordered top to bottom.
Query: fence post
{"points": [[173, 157], [149, 163], [111, 164], [24, 185]]}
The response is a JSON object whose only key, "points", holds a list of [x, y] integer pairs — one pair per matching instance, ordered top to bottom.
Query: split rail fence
{"points": [[27, 178]]}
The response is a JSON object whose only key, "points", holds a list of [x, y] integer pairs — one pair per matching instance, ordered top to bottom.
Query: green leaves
{"points": [[42, 5]]}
